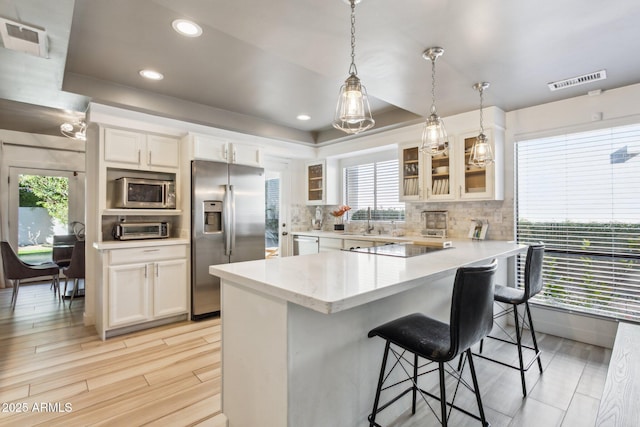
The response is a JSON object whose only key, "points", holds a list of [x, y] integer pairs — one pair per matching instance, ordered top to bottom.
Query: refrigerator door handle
{"points": [[233, 219], [228, 227]]}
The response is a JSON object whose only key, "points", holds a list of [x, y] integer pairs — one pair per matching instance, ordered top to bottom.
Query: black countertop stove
{"points": [[401, 250]]}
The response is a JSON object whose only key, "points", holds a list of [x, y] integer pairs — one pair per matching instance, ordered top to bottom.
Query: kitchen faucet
{"points": [[369, 226]]}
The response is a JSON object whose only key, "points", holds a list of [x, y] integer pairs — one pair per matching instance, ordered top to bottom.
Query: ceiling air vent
{"points": [[24, 38], [580, 80]]}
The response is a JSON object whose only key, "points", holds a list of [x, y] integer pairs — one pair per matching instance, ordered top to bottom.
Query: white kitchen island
{"points": [[295, 350]]}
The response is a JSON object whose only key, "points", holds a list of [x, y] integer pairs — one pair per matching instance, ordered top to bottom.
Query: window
{"points": [[373, 185], [580, 195]]}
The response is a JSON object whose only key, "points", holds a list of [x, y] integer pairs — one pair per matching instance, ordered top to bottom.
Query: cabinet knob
{"points": [[284, 233]]}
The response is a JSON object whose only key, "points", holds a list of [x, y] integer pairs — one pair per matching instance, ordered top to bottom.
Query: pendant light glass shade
{"points": [[353, 113], [77, 130], [434, 135], [481, 152]]}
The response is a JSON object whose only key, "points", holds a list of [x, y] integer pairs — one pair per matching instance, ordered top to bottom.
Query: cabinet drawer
{"points": [[148, 254]]}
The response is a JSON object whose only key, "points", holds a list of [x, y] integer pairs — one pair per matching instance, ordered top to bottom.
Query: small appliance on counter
{"points": [[138, 193], [316, 223], [435, 223], [141, 230]]}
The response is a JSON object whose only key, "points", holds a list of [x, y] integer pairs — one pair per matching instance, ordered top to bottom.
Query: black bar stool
{"points": [[515, 297], [471, 320]]}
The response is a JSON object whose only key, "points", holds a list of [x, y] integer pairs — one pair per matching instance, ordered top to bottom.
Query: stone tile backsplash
{"points": [[499, 215]]}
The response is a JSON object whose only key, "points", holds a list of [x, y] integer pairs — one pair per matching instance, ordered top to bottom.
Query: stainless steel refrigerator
{"points": [[227, 225]]}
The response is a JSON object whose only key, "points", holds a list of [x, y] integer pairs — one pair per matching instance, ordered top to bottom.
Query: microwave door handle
{"points": [[164, 196], [233, 218], [227, 220]]}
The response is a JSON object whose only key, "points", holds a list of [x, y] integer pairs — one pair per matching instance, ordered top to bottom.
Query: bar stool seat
{"points": [[471, 320], [419, 334]]}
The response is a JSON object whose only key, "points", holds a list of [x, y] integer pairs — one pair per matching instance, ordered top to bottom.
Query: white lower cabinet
{"points": [[146, 284], [128, 294], [169, 299]]}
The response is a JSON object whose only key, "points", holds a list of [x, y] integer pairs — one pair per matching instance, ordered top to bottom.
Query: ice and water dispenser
{"points": [[212, 216]]}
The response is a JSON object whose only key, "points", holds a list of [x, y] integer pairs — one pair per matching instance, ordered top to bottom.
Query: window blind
{"points": [[373, 185], [580, 195]]}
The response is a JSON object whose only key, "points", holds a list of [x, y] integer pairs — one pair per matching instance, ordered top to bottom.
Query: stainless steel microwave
{"points": [[145, 193], [141, 230]]}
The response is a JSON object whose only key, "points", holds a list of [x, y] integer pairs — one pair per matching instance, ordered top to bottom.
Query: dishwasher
{"points": [[303, 245]]}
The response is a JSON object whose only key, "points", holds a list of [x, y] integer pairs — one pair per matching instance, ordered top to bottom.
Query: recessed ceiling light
{"points": [[187, 28], [151, 75], [303, 117]]}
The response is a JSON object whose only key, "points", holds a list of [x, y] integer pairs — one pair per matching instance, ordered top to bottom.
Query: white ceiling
{"points": [[260, 63]]}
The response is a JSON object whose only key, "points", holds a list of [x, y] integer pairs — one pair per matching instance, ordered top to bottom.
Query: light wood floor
{"points": [[167, 376], [170, 376]]}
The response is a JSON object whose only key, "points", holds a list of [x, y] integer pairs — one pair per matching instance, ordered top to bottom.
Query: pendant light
{"points": [[353, 114], [75, 130], [434, 136], [481, 153]]}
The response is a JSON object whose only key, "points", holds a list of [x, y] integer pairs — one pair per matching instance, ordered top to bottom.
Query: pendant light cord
{"points": [[352, 68], [433, 85], [481, 118]]}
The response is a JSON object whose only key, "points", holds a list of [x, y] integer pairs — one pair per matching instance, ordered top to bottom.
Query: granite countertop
{"points": [[334, 281]]}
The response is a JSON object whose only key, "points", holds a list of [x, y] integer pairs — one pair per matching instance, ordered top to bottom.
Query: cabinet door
{"points": [[121, 146], [210, 148], [162, 152], [245, 155], [410, 173], [441, 182], [315, 183], [475, 183], [169, 287], [128, 294]]}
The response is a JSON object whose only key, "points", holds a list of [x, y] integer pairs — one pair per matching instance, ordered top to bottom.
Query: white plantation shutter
{"points": [[373, 185], [580, 195]]}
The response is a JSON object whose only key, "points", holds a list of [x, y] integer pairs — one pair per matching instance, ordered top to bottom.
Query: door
{"points": [[123, 146], [162, 151], [209, 181], [247, 195], [277, 196], [43, 203], [169, 293], [129, 294]]}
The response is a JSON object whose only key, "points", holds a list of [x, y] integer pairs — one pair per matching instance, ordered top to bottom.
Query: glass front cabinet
{"points": [[410, 172], [449, 176], [322, 182], [476, 182]]}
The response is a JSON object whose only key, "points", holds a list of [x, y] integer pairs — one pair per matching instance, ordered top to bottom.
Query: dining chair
{"points": [[76, 268], [16, 270]]}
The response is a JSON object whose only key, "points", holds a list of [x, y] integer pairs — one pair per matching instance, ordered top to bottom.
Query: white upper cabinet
{"points": [[221, 150], [140, 151], [162, 151], [411, 172], [449, 176], [322, 182], [475, 182]]}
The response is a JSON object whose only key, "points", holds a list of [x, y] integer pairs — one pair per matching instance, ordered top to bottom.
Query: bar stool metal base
{"points": [[520, 323], [413, 388]]}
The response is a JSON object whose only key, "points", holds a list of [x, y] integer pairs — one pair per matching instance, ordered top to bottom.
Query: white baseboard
{"points": [[587, 329]]}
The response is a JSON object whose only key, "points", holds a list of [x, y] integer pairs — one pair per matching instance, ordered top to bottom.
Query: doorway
{"points": [[277, 189], [43, 203]]}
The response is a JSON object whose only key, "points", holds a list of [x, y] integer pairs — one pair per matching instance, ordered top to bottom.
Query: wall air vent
{"points": [[24, 38], [580, 80]]}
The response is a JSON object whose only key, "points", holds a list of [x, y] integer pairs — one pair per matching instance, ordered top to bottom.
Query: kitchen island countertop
{"points": [[331, 282]]}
